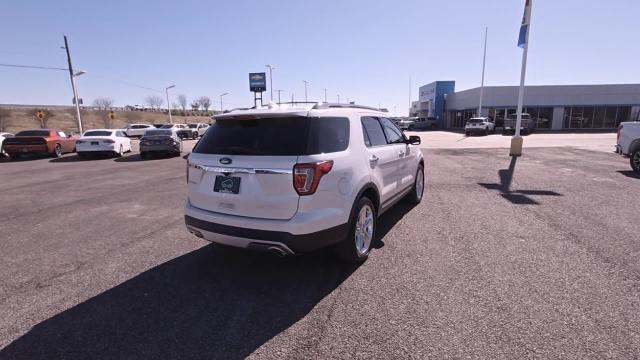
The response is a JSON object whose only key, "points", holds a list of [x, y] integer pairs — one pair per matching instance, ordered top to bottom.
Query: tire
{"points": [[486, 131], [466, 133], [57, 151], [120, 152], [82, 155], [144, 155], [15, 156], [634, 160], [415, 196], [357, 245]]}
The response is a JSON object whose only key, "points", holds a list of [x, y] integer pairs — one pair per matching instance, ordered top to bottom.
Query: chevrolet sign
{"points": [[257, 82]]}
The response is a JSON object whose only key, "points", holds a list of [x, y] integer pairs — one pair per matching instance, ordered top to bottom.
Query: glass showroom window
{"points": [[599, 117]]}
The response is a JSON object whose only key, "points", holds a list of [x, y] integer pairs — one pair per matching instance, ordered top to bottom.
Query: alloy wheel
{"points": [[364, 229]]}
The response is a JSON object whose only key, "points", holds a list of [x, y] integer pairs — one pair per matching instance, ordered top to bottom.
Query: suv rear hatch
{"points": [[243, 166]]}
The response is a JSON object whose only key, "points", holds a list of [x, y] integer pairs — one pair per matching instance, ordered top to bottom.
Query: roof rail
{"points": [[346, 106]]}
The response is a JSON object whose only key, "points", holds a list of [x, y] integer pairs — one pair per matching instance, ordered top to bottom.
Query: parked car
{"points": [[405, 123], [428, 123], [482, 125], [527, 126], [174, 127], [137, 130], [193, 131], [4, 135], [39, 141], [103, 141], [160, 141], [628, 143], [293, 179]]}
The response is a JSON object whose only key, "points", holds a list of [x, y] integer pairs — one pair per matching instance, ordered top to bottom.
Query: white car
{"points": [[482, 125], [174, 127], [137, 130], [4, 135], [103, 141], [628, 143], [289, 179]]}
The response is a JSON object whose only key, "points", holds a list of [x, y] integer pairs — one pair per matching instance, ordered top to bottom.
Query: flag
{"points": [[524, 28]]}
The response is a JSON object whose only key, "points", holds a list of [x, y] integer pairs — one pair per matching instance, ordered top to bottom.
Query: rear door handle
{"points": [[400, 153], [373, 158]]}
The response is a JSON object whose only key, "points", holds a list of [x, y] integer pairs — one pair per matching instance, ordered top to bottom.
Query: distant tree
{"points": [[182, 100], [154, 101], [205, 102], [103, 103], [195, 105], [4, 119]]}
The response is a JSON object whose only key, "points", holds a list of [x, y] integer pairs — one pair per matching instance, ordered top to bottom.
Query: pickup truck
{"points": [[417, 123], [527, 126], [39, 141], [628, 143]]}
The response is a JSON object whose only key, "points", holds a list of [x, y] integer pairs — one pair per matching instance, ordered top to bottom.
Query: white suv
{"points": [[290, 179]]}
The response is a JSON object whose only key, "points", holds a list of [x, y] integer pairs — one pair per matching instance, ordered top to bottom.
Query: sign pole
{"points": [[484, 62]]}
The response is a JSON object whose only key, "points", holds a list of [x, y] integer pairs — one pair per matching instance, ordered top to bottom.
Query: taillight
{"points": [[618, 137], [108, 141], [79, 142], [306, 177]]}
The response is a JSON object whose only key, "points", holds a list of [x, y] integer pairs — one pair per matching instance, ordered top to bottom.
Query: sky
{"points": [[364, 51]]}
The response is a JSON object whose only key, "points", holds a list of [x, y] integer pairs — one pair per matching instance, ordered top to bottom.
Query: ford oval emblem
{"points": [[225, 161]]}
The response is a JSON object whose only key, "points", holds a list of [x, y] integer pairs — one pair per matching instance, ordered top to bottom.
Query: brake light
{"points": [[618, 137], [108, 141], [306, 177]]}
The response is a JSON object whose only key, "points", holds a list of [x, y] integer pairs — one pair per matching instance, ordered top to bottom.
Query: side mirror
{"points": [[413, 140]]}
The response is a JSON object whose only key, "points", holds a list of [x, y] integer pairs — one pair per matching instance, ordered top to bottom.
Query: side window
{"points": [[372, 132], [61, 134], [328, 135], [394, 135]]}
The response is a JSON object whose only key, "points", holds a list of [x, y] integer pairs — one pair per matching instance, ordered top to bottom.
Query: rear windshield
{"points": [[474, 121], [167, 126], [192, 126], [33, 133], [98, 133], [157, 133], [276, 136]]}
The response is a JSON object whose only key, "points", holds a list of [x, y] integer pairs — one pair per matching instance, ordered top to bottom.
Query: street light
{"points": [[271, 68], [306, 83], [74, 87], [166, 90], [279, 92], [221, 95], [325, 95]]}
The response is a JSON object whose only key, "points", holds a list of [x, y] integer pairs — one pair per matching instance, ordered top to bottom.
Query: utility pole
{"points": [[306, 83], [73, 84], [166, 90], [279, 91], [410, 93], [325, 94], [338, 98], [292, 101], [221, 107]]}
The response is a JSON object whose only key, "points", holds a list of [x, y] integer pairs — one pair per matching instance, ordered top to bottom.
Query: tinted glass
{"points": [[168, 126], [193, 126], [33, 133], [98, 133], [157, 133], [373, 133], [327, 135], [394, 135], [275, 136]]}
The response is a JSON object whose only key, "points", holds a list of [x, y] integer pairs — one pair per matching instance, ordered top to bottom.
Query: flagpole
{"points": [[484, 62], [516, 140]]}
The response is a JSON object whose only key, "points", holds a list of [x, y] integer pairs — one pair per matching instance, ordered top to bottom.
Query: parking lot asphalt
{"points": [[529, 258]]}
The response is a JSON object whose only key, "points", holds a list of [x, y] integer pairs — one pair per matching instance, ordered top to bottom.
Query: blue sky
{"points": [[362, 50]]}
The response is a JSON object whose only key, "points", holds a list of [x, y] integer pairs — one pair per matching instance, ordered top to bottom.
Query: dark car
{"points": [[160, 141]]}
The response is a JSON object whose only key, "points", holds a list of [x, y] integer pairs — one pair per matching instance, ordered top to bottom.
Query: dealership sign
{"points": [[258, 82]]}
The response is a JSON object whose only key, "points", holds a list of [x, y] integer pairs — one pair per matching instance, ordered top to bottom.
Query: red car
{"points": [[39, 141]]}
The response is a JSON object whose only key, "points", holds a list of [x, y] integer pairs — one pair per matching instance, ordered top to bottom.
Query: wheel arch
{"points": [[369, 190]]}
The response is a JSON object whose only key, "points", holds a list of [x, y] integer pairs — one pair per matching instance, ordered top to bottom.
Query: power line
{"points": [[33, 67], [126, 83]]}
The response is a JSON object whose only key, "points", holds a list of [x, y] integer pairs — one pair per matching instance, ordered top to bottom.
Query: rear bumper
{"points": [[475, 129], [95, 148], [159, 148], [24, 149], [259, 233]]}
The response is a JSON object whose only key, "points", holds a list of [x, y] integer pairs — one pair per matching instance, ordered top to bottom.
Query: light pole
{"points": [[271, 68], [73, 83], [306, 83], [166, 91], [279, 91], [325, 94], [221, 95], [75, 96], [338, 98]]}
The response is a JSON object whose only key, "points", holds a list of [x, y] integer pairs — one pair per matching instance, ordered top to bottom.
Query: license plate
{"points": [[157, 142], [95, 143], [25, 150], [227, 184]]}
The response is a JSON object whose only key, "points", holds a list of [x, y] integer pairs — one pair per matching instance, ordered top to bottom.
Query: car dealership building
{"points": [[555, 107]]}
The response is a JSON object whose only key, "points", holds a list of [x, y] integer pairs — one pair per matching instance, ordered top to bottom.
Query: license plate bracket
{"points": [[227, 184]]}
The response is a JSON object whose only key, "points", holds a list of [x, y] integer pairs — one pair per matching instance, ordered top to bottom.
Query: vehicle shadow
{"points": [[137, 157], [75, 158], [630, 173], [389, 219], [215, 302]]}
